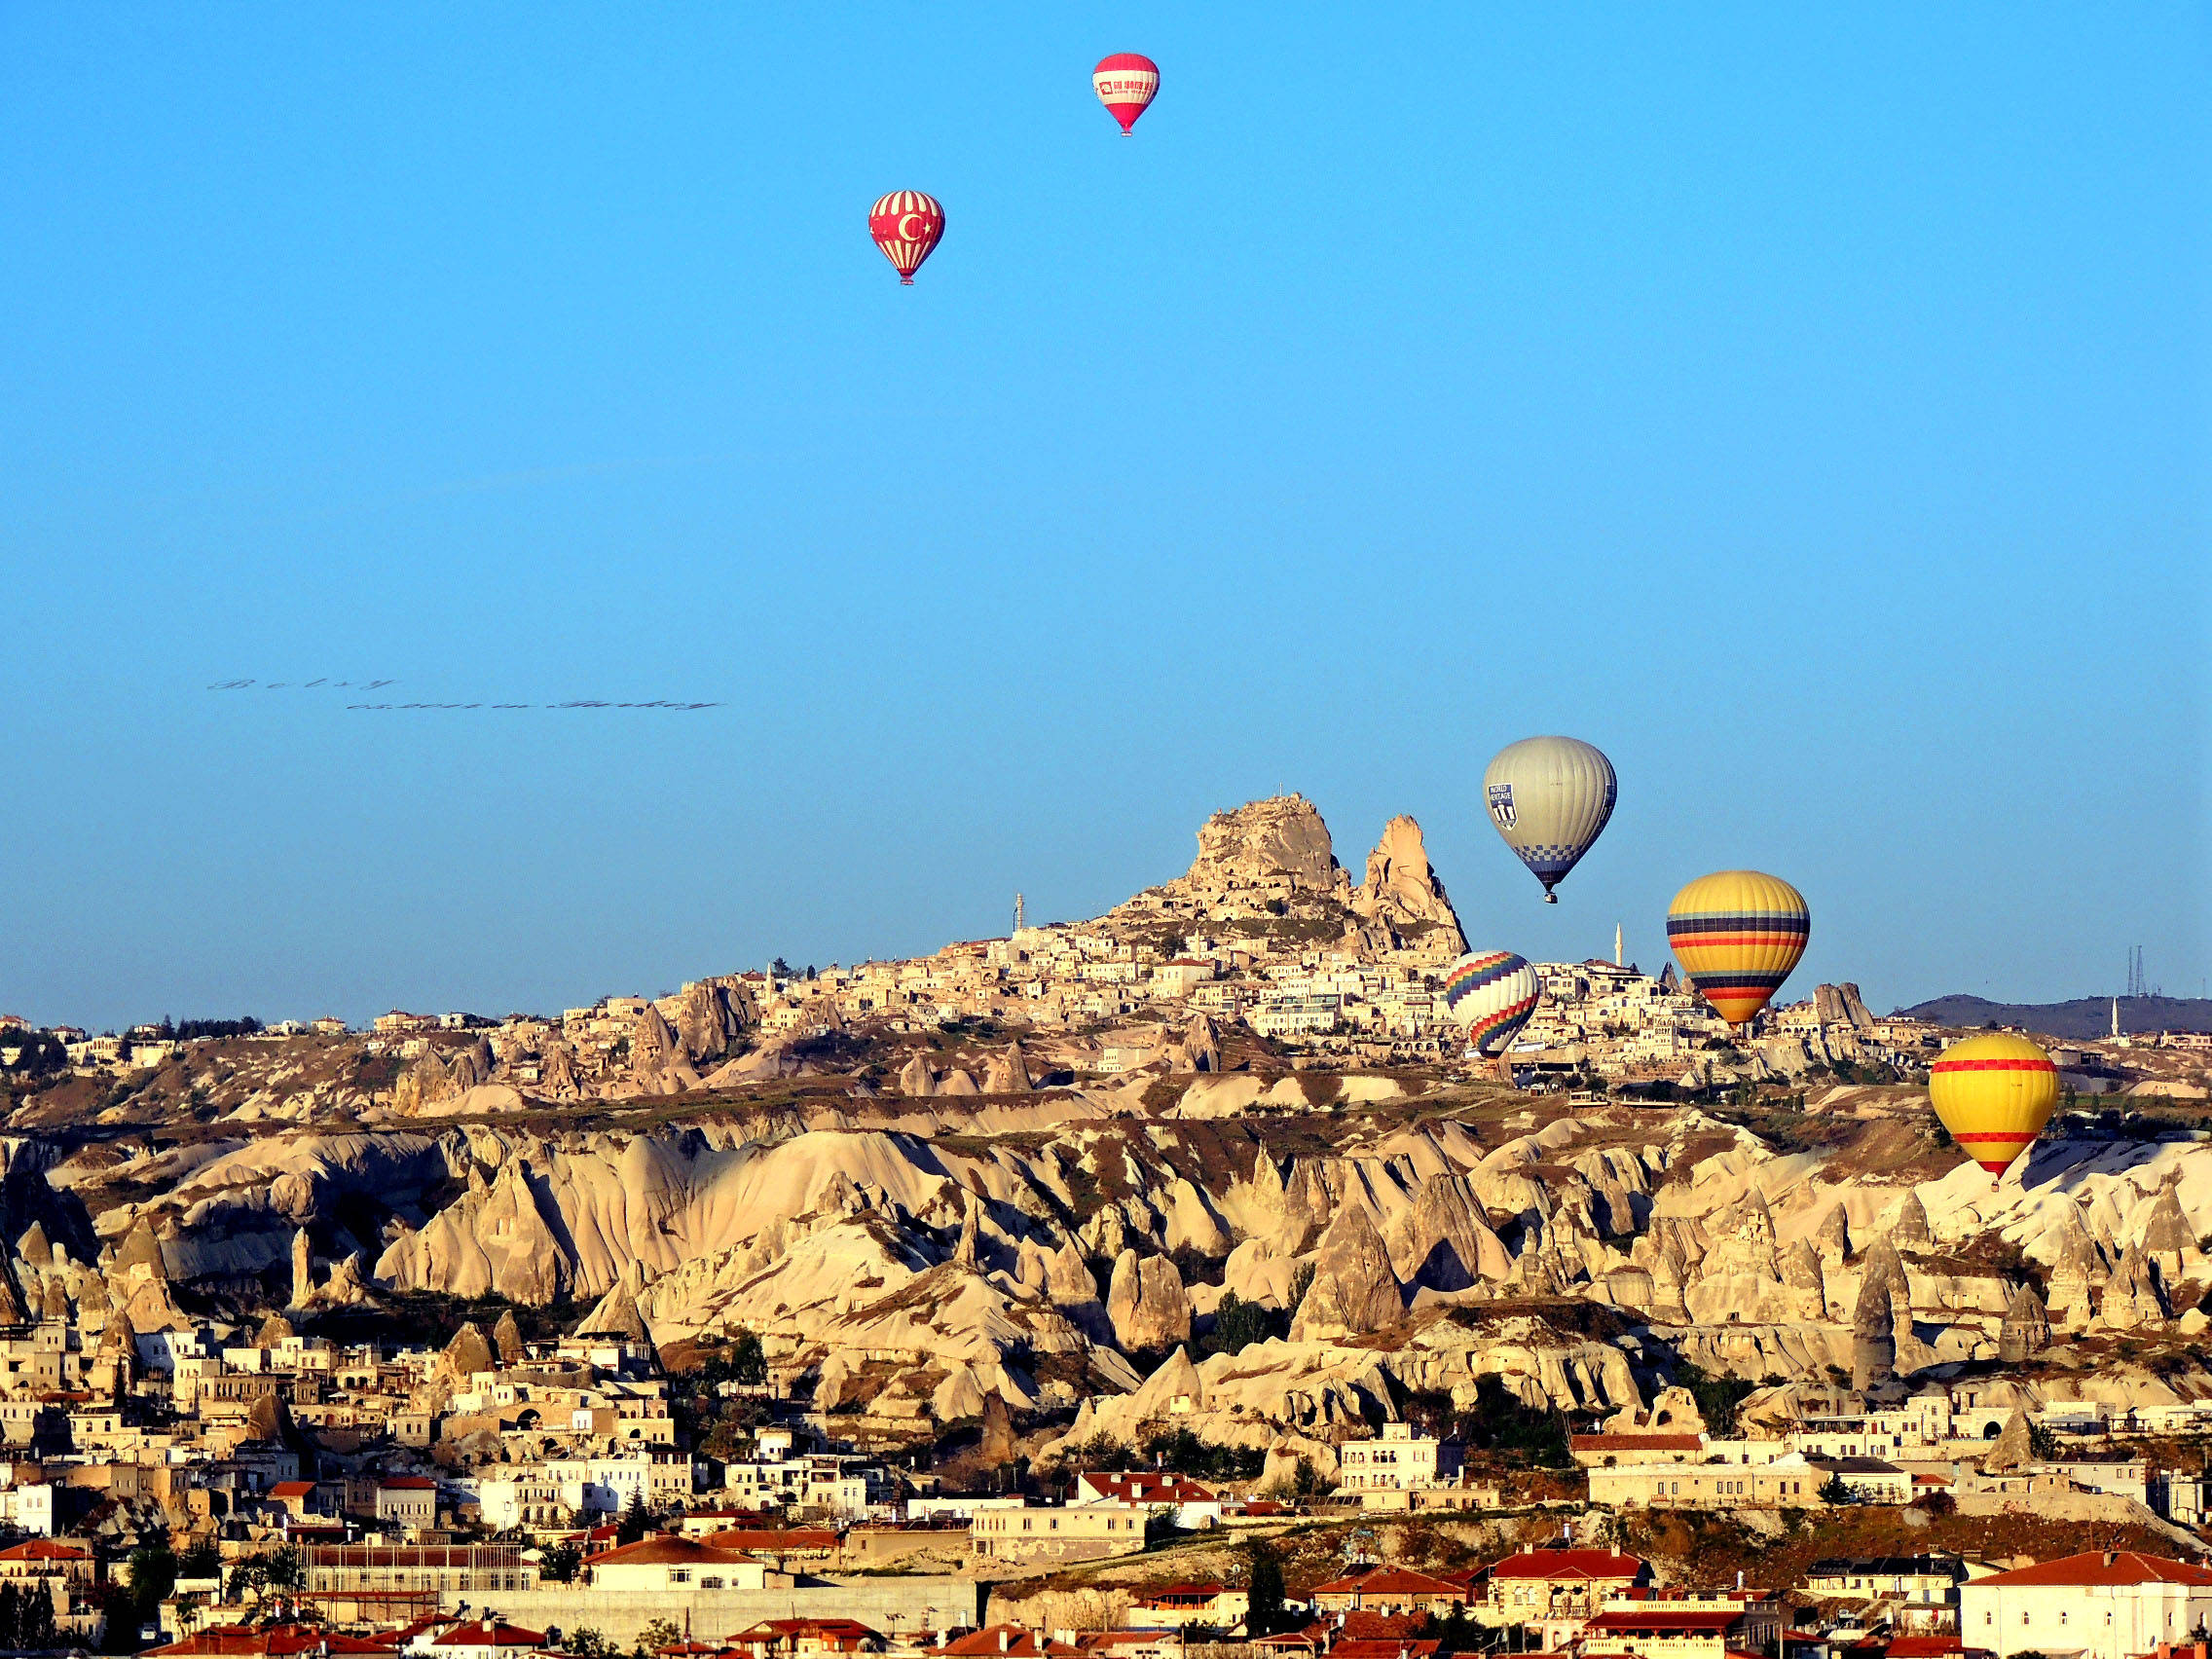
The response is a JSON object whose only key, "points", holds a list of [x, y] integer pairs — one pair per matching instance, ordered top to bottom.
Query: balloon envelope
{"points": [[1126, 83], [906, 225], [1549, 798], [1737, 934], [1490, 995], [1994, 1092]]}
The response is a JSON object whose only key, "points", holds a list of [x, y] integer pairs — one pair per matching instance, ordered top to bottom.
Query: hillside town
{"points": [[1264, 940], [1170, 1283], [223, 1491]]}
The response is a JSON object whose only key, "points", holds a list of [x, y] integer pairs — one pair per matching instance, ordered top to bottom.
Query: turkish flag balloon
{"points": [[1126, 83], [906, 225]]}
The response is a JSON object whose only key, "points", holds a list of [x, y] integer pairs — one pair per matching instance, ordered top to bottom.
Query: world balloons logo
{"points": [[1126, 83], [907, 226], [1550, 798], [1737, 934], [1490, 995], [1995, 1093]]}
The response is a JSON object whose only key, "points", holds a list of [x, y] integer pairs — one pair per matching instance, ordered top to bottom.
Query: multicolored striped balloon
{"points": [[1126, 83], [907, 226], [1737, 934], [1490, 995], [1994, 1092]]}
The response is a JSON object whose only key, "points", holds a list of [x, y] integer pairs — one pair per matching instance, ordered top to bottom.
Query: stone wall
{"points": [[889, 1605]]}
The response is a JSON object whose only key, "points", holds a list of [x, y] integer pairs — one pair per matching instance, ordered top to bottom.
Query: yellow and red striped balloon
{"points": [[1737, 934], [1994, 1092]]}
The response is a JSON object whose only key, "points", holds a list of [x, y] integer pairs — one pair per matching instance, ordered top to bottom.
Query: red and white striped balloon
{"points": [[1126, 83], [906, 225]]}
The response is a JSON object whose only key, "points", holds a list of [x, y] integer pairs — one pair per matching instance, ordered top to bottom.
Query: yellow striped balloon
{"points": [[1737, 934], [1994, 1092]]}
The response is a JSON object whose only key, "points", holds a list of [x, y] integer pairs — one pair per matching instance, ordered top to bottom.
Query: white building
{"points": [[1400, 1462], [2109, 1605]]}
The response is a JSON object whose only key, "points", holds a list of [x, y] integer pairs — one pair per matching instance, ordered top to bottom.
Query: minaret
{"points": [[1018, 912], [1616, 944], [2116, 1017]]}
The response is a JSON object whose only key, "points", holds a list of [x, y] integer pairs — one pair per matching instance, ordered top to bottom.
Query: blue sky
{"points": [[1811, 412]]}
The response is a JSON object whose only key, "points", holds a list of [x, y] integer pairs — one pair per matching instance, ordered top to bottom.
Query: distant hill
{"points": [[2079, 1019]]}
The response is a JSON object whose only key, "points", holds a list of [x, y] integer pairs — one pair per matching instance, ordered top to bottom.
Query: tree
{"points": [[1237, 1324], [748, 1364], [2042, 1442], [1835, 1490], [637, 1520], [201, 1560], [558, 1562], [287, 1569], [153, 1574], [1264, 1593], [1453, 1634], [657, 1635], [586, 1643]]}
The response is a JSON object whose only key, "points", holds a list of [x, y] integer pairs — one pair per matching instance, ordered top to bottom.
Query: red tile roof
{"points": [[1636, 1442], [1146, 1486], [291, 1489], [773, 1538], [45, 1549], [667, 1552], [1560, 1565], [2112, 1567], [1389, 1581], [490, 1632], [1011, 1639], [270, 1642]]}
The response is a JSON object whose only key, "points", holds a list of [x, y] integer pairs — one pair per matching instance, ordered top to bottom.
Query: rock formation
{"points": [[1279, 841], [1404, 893], [1840, 1005], [710, 1020], [1006, 1072], [916, 1079], [1909, 1229], [1832, 1238], [1443, 1242], [303, 1269], [1353, 1290], [2131, 1299], [1146, 1303], [2026, 1329], [1873, 1336], [507, 1339], [465, 1356], [2011, 1447]]}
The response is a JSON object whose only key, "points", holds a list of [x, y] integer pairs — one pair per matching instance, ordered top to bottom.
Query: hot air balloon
{"points": [[1126, 83], [906, 225], [1550, 797], [1737, 935], [1490, 995], [1994, 1092]]}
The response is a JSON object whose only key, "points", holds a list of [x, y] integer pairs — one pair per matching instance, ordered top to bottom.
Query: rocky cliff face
{"points": [[1279, 841], [1404, 894], [931, 1252]]}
